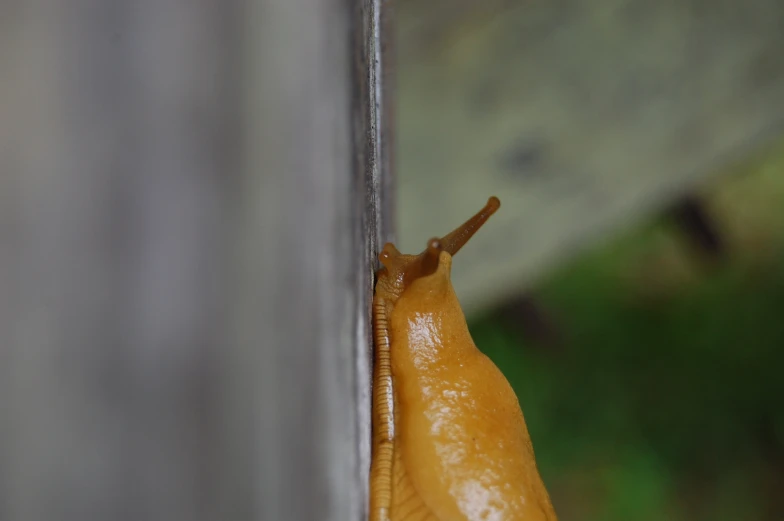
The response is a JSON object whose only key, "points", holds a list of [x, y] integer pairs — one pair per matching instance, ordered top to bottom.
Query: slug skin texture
{"points": [[449, 439]]}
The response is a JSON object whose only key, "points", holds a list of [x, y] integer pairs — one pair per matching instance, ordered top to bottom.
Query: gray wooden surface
{"points": [[582, 116], [189, 199]]}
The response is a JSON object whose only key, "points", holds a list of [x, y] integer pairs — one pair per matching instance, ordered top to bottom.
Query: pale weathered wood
{"points": [[582, 116], [115, 150], [189, 198], [304, 278]]}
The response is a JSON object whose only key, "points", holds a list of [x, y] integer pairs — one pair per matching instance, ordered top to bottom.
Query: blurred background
{"points": [[632, 285]]}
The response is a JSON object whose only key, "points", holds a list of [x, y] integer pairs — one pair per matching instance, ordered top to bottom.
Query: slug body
{"points": [[449, 439]]}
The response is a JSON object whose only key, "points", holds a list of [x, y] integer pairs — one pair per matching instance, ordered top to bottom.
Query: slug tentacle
{"points": [[456, 239], [430, 257], [425, 264], [401, 270]]}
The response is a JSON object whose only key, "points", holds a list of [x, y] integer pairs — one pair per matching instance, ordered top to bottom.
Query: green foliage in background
{"points": [[665, 401]]}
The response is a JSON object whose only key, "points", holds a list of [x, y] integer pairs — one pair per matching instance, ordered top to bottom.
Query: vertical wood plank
{"points": [[114, 117], [189, 198], [309, 215]]}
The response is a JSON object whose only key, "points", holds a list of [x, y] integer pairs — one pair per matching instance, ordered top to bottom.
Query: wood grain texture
{"points": [[582, 117], [189, 210], [309, 230]]}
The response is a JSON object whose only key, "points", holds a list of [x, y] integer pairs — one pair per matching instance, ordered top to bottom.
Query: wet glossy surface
{"points": [[459, 428], [449, 439]]}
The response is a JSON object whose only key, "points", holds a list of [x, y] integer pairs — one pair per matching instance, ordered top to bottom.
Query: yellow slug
{"points": [[449, 439]]}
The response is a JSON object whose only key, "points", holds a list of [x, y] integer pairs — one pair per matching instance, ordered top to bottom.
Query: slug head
{"points": [[400, 270]]}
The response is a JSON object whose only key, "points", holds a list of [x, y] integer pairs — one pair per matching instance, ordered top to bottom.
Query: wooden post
{"points": [[190, 199]]}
